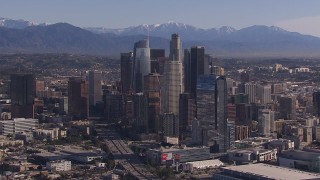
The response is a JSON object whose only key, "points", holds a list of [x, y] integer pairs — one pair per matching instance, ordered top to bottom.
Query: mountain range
{"points": [[20, 36]]}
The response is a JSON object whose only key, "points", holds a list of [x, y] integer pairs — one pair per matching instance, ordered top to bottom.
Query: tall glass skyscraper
{"points": [[142, 64]]}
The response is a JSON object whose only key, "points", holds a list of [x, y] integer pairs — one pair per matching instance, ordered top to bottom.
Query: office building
{"points": [[157, 57], [142, 64], [126, 71], [173, 78], [95, 88], [153, 88], [251, 90], [22, 93], [264, 94], [78, 98], [316, 103], [113, 107], [287, 108], [187, 111], [212, 111], [141, 113], [265, 122], [17, 125], [170, 125]]}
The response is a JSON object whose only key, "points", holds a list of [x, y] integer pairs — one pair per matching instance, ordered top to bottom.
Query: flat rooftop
{"points": [[273, 172]]}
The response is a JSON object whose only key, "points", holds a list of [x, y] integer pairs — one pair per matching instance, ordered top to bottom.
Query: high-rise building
{"points": [[175, 48], [157, 56], [142, 64], [196, 67], [187, 70], [126, 71], [173, 78], [95, 88], [152, 88], [251, 90], [22, 93], [264, 94], [78, 98], [316, 103], [113, 107], [287, 108], [212, 111], [141, 112], [187, 112], [222, 113], [265, 121], [17, 125], [170, 125], [242, 132]]}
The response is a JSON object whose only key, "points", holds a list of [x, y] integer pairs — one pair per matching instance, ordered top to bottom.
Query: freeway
{"points": [[124, 155]]}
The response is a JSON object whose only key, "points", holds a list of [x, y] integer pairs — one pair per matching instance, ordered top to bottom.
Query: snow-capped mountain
{"points": [[18, 24], [165, 30]]}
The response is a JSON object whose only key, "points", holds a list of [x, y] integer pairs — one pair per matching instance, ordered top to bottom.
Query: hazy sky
{"points": [[294, 15]]}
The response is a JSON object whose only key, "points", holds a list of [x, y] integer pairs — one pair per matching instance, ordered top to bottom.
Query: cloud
{"points": [[305, 25]]}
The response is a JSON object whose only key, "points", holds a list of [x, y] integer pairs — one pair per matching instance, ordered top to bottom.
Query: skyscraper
{"points": [[175, 48], [157, 56], [142, 64], [196, 67], [126, 71], [173, 77], [95, 88], [251, 90], [22, 93], [264, 94], [78, 98], [316, 103], [187, 108], [287, 108], [212, 111], [221, 113], [170, 124]]}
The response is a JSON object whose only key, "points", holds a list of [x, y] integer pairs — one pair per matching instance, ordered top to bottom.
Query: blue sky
{"points": [[294, 15]]}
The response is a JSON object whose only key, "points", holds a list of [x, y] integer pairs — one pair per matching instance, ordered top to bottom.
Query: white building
{"points": [[251, 90], [265, 121], [17, 125], [59, 165]]}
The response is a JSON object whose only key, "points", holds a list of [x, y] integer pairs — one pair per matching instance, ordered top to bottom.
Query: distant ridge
{"points": [[255, 41]]}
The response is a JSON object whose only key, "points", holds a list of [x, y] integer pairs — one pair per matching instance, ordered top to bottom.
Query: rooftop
{"points": [[273, 172]]}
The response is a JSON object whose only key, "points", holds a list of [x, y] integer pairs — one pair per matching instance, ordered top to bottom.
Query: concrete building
{"points": [[251, 90], [264, 94], [265, 120], [17, 125], [180, 154], [252, 155], [303, 160], [58, 166], [261, 171]]}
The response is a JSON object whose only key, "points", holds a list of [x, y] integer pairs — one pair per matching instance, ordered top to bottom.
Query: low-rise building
{"points": [[17, 125], [180, 154], [252, 155], [302, 160], [213, 163], [58, 165], [261, 171]]}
